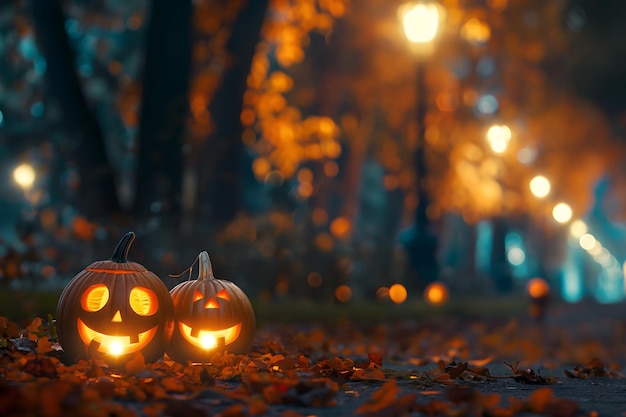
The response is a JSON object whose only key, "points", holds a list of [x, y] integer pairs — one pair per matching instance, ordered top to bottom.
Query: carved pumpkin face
{"points": [[113, 309], [211, 315], [120, 337]]}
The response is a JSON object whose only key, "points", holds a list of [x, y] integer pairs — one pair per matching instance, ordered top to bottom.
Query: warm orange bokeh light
{"points": [[475, 31], [247, 116], [261, 167], [331, 169], [305, 175], [305, 189], [320, 216], [340, 227], [324, 242], [314, 279], [538, 288], [343, 293], [383, 293], [397, 293], [436, 293]]}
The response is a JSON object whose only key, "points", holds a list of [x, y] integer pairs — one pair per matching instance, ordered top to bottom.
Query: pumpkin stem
{"points": [[120, 254], [205, 269]]}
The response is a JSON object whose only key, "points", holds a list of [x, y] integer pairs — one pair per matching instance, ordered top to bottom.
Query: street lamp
{"points": [[421, 21], [498, 137], [24, 176], [540, 186], [562, 212]]}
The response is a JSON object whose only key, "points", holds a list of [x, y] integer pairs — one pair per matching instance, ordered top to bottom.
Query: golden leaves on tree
{"points": [[212, 23], [286, 137]]}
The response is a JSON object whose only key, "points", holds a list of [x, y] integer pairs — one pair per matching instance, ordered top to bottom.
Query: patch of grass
{"points": [[25, 305], [305, 310]]}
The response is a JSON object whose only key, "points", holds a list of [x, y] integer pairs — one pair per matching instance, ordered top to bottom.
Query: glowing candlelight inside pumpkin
{"points": [[114, 308], [207, 341], [116, 349]]}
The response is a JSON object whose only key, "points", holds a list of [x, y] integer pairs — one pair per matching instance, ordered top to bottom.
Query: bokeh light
{"points": [[420, 22], [475, 31], [487, 104], [498, 137], [526, 155], [24, 175], [540, 186], [562, 213], [340, 227], [578, 228], [587, 242], [516, 256], [314, 279], [538, 288], [343, 293], [382, 293], [397, 293], [436, 293]]}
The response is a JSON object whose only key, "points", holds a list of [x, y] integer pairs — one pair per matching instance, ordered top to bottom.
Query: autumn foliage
{"points": [[295, 372]]}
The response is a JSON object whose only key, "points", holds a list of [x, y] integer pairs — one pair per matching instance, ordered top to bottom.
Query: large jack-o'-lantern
{"points": [[113, 309], [211, 315]]}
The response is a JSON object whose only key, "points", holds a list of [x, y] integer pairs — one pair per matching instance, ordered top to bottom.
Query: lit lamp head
{"points": [[421, 21], [24, 175], [539, 291], [436, 293]]}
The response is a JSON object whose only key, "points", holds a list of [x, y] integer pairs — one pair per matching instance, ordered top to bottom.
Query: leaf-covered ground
{"points": [[446, 366]]}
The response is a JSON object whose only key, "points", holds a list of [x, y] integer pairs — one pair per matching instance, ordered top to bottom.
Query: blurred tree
{"points": [[495, 63], [321, 96], [164, 108], [224, 161], [98, 197]]}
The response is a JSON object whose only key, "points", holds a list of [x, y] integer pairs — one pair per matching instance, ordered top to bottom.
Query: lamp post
{"points": [[421, 22]]}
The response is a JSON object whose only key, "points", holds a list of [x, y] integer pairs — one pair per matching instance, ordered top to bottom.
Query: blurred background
{"points": [[333, 151]]}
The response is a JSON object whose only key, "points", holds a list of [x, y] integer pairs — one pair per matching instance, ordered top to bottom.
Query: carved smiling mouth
{"points": [[207, 339], [115, 345]]}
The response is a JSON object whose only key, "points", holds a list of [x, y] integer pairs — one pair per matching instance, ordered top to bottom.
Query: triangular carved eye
{"points": [[223, 295], [197, 296], [211, 303]]}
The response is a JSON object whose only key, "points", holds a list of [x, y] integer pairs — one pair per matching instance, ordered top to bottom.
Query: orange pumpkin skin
{"points": [[113, 309], [211, 315]]}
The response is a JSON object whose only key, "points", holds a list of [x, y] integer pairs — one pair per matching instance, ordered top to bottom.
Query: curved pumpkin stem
{"points": [[120, 254], [205, 269]]}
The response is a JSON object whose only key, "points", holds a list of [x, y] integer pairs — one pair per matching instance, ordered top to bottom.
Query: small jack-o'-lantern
{"points": [[113, 309], [211, 315]]}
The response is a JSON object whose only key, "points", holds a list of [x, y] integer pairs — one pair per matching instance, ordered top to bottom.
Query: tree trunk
{"points": [[164, 107], [224, 151], [98, 196], [500, 268]]}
